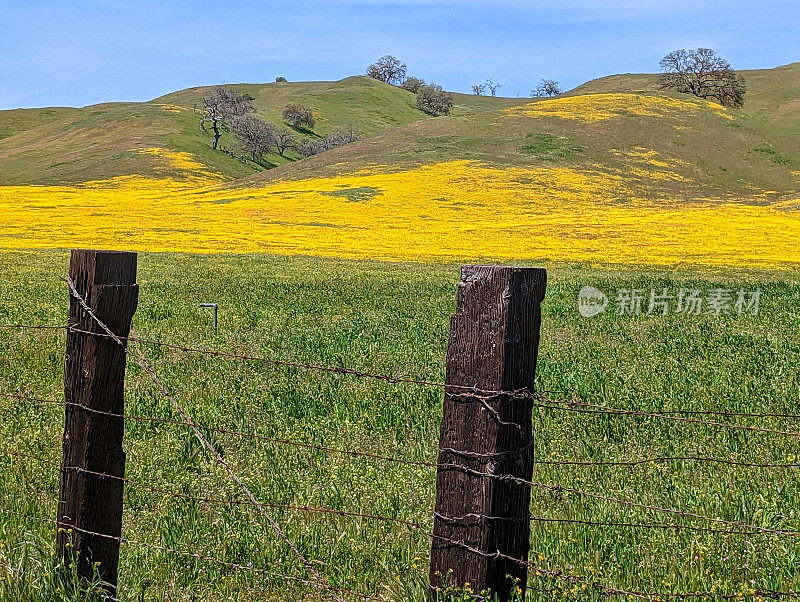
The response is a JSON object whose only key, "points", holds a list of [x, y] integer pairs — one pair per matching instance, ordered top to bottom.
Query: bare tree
{"points": [[389, 69], [703, 73], [412, 84], [492, 86], [547, 87], [478, 89], [434, 100], [221, 106], [299, 116], [254, 134], [338, 137], [283, 139]]}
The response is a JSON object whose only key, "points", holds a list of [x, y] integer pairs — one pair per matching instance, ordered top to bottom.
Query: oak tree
{"points": [[389, 69], [703, 73], [547, 87], [434, 100], [221, 106], [299, 116], [253, 134]]}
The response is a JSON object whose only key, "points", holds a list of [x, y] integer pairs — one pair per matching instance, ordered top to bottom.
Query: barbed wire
{"points": [[143, 363], [467, 390], [479, 394], [484, 397], [589, 408], [224, 431], [385, 458], [659, 459], [560, 488], [212, 500], [659, 509], [590, 523], [753, 529], [206, 557], [606, 590]]}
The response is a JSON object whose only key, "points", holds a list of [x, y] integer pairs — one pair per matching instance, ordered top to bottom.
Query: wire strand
{"points": [[141, 360]]}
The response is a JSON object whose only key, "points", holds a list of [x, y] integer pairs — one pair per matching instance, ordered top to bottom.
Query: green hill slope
{"points": [[772, 93], [66, 145], [665, 145]]}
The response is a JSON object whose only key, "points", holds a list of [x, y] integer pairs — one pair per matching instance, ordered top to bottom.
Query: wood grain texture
{"points": [[494, 339], [94, 375]]}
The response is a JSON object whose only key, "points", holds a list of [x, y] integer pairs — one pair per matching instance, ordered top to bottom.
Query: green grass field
{"points": [[393, 318]]}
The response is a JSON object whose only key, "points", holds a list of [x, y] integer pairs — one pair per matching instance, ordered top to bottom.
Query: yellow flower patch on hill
{"points": [[590, 108], [180, 160], [454, 210]]}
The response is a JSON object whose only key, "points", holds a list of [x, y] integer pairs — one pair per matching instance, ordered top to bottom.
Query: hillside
{"points": [[773, 91], [67, 145], [665, 145], [711, 152], [614, 171]]}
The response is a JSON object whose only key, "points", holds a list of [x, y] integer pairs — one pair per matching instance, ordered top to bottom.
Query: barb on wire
{"points": [[141, 360]]}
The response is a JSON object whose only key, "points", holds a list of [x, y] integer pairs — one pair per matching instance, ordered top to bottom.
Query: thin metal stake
{"points": [[214, 305]]}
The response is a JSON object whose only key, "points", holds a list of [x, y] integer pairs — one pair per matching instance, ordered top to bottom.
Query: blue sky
{"points": [[77, 53]]}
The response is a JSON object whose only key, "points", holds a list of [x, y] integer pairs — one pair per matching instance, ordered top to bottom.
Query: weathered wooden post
{"points": [[94, 375], [480, 521]]}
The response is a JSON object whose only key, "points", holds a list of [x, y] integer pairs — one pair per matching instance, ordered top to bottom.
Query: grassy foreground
{"points": [[393, 318]]}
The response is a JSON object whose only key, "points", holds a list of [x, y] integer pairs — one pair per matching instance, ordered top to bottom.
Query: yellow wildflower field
{"points": [[590, 108], [446, 211]]}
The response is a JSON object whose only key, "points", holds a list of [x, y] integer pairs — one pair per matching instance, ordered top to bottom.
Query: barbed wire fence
{"points": [[490, 364]]}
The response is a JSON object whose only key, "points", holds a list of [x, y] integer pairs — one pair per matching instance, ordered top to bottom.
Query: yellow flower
{"points": [[591, 108], [443, 211]]}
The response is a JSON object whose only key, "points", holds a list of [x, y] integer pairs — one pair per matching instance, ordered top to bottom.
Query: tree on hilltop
{"points": [[389, 69], [703, 73], [492, 86], [547, 87], [478, 89], [221, 106]]}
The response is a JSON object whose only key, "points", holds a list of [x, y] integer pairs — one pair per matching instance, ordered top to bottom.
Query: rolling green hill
{"points": [[768, 90], [663, 144], [67, 145]]}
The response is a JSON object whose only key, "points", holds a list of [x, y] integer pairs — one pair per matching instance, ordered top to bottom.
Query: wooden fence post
{"points": [[494, 340], [94, 375]]}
